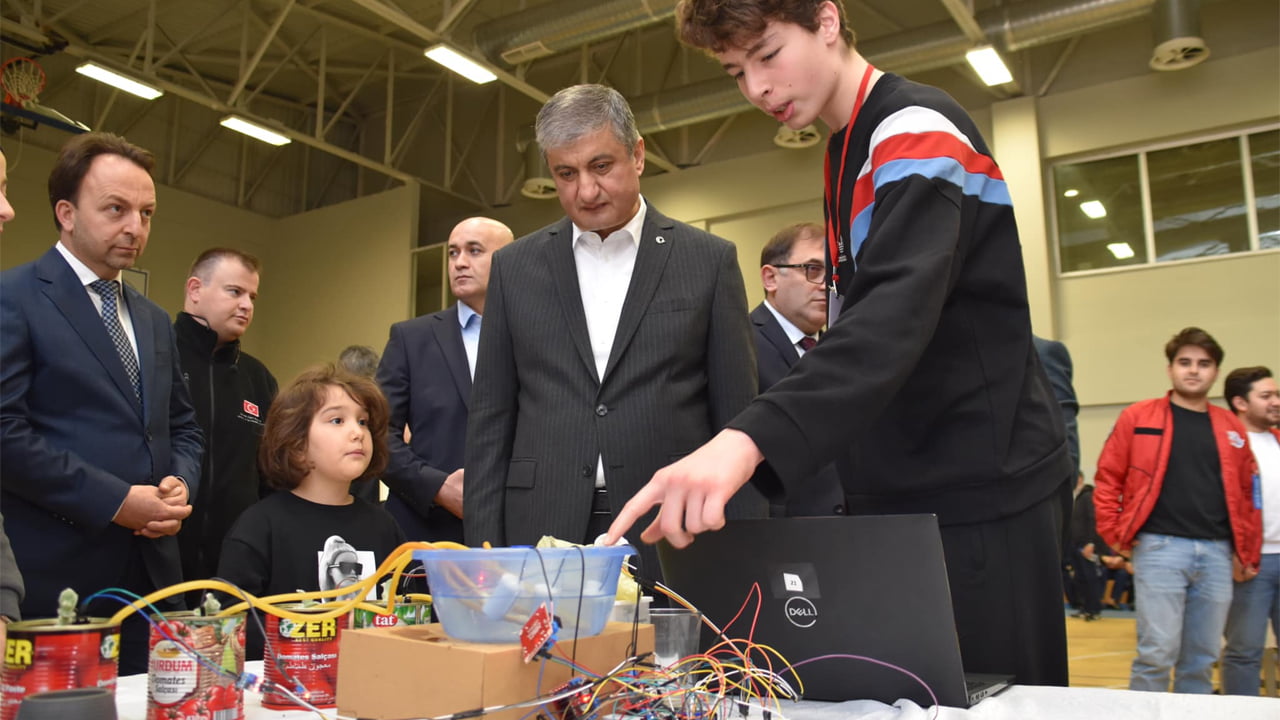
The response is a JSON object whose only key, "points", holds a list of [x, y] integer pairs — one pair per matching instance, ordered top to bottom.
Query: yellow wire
{"points": [[394, 564]]}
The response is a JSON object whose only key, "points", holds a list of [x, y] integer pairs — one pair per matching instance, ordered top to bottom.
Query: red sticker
{"points": [[251, 408], [536, 632]]}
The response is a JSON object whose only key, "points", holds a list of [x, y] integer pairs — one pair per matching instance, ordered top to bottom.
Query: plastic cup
{"points": [[676, 634]]}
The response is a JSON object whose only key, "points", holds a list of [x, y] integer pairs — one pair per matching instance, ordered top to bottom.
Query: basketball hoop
{"points": [[22, 79]]}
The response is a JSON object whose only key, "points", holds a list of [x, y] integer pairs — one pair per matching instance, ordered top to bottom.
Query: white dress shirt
{"points": [[604, 275], [122, 308], [470, 321], [793, 333]]}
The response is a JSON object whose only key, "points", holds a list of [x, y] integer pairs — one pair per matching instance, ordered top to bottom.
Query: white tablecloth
{"points": [[1016, 703]]}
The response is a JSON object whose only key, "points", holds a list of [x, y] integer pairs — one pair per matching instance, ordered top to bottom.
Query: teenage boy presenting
{"points": [[926, 391]]}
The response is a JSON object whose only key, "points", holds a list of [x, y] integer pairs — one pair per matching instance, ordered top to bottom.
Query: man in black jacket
{"points": [[231, 391]]}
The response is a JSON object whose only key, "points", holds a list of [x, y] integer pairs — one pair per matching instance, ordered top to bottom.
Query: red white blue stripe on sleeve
{"points": [[920, 141]]}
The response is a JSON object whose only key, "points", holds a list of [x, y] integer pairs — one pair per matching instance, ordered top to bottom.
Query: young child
{"points": [[926, 389], [324, 432]]}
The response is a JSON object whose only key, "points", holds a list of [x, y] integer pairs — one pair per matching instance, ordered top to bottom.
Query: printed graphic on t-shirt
{"points": [[340, 565]]}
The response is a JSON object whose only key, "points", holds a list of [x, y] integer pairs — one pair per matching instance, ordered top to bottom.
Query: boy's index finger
{"points": [[638, 505]]}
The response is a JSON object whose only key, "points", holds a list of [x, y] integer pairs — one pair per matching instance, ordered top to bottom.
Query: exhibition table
{"points": [[1016, 703]]}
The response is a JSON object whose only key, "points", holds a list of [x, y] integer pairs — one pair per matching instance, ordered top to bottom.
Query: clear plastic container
{"points": [[487, 595]]}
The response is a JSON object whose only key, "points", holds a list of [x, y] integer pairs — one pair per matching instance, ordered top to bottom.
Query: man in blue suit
{"points": [[792, 271], [426, 373], [101, 450]]}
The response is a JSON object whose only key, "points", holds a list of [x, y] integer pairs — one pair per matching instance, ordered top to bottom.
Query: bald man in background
{"points": [[426, 372]]}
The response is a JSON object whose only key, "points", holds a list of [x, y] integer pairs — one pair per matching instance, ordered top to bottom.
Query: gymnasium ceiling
{"points": [[347, 80]]}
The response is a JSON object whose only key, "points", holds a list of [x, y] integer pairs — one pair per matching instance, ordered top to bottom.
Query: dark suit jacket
{"points": [[775, 355], [681, 366], [1057, 366], [425, 376], [74, 438]]}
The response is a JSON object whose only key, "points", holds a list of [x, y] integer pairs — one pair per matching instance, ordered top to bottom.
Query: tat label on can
{"points": [[408, 613], [308, 650], [40, 655], [193, 667]]}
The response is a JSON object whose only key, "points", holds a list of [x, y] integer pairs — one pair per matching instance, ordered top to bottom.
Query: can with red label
{"points": [[405, 613], [309, 652], [41, 655], [181, 685]]}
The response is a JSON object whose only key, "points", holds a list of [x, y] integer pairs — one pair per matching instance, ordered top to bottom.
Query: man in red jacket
{"points": [[1253, 394], [1175, 492]]}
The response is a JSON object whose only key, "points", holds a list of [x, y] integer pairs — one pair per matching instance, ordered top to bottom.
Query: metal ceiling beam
{"points": [[460, 8], [68, 10], [962, 13], [127, 20], [408, 24], [357, 29], [203, 31], [428, 35], [266, 41], [279, 66], [215, 104], [337, 114]]}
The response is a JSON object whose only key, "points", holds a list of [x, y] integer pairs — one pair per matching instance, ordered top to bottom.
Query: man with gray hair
{"points": [[615, 340]]}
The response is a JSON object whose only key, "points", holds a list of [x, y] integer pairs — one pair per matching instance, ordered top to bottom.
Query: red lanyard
{"points": [[835, 234]]}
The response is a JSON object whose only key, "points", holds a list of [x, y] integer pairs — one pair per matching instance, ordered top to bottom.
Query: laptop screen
{"points": [[872, 587]]}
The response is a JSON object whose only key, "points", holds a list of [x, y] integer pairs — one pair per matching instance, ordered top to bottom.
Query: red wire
{"points": [[755, 588]]}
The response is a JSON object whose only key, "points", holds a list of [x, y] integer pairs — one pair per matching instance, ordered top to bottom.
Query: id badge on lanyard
{"points": [[836, 240]]}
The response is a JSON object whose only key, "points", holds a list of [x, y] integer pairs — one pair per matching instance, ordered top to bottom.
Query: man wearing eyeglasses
{"points": [[792, 270]]}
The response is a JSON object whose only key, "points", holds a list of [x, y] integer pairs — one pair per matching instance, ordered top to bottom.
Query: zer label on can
{"points": [[308, 650], [41, 656]]}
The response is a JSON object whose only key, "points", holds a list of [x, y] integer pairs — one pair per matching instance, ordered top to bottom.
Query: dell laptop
{"points": [[846, 594]]}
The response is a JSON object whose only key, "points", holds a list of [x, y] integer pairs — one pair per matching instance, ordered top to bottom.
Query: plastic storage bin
{"points": [[487, 595]]}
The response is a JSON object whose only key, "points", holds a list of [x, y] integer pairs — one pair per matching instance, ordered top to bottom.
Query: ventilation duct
{"points": [[565, 25], [1009, 27], [1177, 33], [934, 46], [677, 107], [807, 136]]}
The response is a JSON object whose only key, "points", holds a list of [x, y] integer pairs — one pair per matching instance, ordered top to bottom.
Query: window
{"points": [[1264, 157], [1194, 200], [1197, 200], [1100, 214]]}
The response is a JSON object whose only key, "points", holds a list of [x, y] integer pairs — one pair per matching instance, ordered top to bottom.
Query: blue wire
{"points": [[122, 591], [107, 594], [537, 709]]}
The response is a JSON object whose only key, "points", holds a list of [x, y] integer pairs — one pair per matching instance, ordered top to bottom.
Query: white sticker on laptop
{"points": [[792, 582]]}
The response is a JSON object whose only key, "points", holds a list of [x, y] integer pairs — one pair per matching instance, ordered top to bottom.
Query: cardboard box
{"points": [[417, 671]]}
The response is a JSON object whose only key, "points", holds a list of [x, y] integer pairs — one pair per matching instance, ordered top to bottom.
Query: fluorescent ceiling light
{"points": [[987, 63], [461, 64], [118, 81], [253, 130], [1071, 193], [1094, 209], [1121, 250]]}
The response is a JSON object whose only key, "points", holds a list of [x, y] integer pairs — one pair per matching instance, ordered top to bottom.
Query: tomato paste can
{"points": [[405, 613], [308, 650], [41, 655], [193, 667]]}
